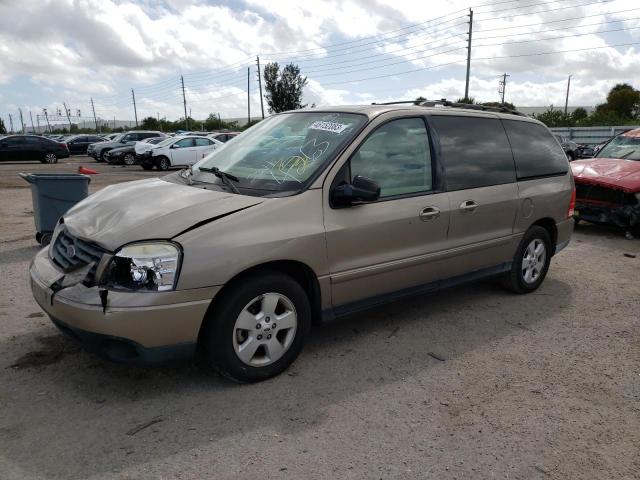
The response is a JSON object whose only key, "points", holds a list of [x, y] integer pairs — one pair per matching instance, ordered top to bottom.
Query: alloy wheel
{"points": [[50, 158], [129, 159], [533, 261], [265, 329]]}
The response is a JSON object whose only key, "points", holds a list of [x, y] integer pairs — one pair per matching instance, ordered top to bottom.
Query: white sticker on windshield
{"points": [[328, 126]]}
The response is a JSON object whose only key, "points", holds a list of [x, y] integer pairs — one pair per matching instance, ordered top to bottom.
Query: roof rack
{"points": [[446, 103]]}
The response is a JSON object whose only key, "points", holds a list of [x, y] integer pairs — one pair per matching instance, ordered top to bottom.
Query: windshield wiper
{"points": [[627, 154], [226, 178]]}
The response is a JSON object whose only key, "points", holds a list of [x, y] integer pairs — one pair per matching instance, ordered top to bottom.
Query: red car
{"points": [[608, 186]]}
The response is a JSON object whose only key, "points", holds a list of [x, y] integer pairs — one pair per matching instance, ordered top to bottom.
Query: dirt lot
{"points": [[472, 382]]}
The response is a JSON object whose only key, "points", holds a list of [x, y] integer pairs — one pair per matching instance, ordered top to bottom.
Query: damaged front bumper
{"points": [[625, 216], [131, 327]]}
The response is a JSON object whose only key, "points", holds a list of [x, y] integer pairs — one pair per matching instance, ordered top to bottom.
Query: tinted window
{"points": [[130, 137], [34, 140], [13, 141], [185, 142], [203, 142], [535, 150], [475, 151], [397, 156]]}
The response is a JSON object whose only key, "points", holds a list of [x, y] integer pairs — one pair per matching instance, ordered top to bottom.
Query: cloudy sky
{"points": [[353, 51]]}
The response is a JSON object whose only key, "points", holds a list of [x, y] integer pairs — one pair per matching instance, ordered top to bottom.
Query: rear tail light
{"points": [[572, 203]]}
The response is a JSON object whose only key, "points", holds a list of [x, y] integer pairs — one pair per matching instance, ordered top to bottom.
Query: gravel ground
{"points": [[472, 382]]}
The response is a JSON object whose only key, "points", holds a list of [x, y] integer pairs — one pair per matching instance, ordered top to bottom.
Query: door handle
{"points": [[468, 206], [429, 213]]}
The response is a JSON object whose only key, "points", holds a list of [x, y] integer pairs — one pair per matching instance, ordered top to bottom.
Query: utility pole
{"points": [[466, 85], [260, 86], [503, 86], [248, 96], [184, 100], [566, 101], [135, 110], [66, 111], [46, 116], [95, 119], [21, 121], [38, 121], [219, 121], [11, 122], [32, 126]]}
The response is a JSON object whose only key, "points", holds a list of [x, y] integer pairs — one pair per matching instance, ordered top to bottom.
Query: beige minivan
{"points": [[307, 216]]}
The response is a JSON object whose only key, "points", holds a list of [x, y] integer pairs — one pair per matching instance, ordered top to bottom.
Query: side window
{"points": [[130, 137], [33, 140], [15, 141], [203, 142], [184, 143], [535, 150], [475, 152], [397, 156]]}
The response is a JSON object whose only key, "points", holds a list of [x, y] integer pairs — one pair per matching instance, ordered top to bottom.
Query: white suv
{"points": [[178, 151]]}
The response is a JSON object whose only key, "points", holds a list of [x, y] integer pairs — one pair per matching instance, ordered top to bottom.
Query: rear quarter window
{"points": [[535, 150], [475, 151]]}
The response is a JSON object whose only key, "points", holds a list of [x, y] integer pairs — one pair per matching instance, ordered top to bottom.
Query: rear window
{"points": [[535, 150], [475, 151]]}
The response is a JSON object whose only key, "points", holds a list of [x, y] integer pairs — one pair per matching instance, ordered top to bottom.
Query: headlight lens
{"points": [[151, 267]]}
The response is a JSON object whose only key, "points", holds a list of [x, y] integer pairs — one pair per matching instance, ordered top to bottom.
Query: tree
{"points": [[283, 88], [419, 100], [467, 100], [624, 101], [578, 116], [553, 117], [150, 123], [3, 129]]}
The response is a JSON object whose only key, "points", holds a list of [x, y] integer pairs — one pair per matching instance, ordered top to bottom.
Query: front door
{"points": [[183, 152], [384, 246]]}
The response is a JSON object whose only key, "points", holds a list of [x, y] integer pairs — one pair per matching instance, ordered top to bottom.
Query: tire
{"points": [[50, 157], [102, 157], [129, 159], [163, 164], [45, 238], [526, 279], [261, 298]]}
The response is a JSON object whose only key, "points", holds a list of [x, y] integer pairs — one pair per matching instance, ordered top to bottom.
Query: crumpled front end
{"points": [[604, 204]]}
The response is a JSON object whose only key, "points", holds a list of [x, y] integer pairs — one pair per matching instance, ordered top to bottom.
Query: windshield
{"points": [[165, 142], [622, 147], [284, 151]]}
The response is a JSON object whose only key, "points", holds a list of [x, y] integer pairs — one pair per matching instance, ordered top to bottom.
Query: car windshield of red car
{"points": [[622, 146]]}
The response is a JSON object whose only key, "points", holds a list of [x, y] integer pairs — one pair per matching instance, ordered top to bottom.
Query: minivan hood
{"points": [[611, 172], [148, 209]]}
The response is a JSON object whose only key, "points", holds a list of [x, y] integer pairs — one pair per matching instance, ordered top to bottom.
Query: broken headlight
{"points": [[151, 267]]}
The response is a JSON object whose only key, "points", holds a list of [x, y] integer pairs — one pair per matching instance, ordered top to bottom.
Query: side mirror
{"points": [[175, 145], [361, 189]]}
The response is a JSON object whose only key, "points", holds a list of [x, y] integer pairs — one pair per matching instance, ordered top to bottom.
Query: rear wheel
{"points": [[50, 157], [129, 159], [163, 163], [530, 263], [257, 328]]}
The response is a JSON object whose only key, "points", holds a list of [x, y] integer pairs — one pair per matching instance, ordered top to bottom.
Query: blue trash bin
{"points": [[53, 194]]}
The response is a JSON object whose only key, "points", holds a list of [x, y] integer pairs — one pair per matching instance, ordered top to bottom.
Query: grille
{"points": [[597, 193], [71, 253]]}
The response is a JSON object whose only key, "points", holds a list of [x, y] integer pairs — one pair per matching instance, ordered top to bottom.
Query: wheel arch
{"points": [[549, 225], [299, 271]]}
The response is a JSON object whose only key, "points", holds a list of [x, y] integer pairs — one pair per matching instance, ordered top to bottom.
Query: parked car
{"points": [[223, 136], [78, 144], [569, 146], [31, 147], [99, 150], [178, 151], [586, 151], [127, 155], [608, 186], [235, 257]]}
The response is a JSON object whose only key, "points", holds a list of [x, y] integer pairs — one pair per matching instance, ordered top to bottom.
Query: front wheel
{"points": [[103, 156], [50, 157], [163, 163], [531, 262], [257, 328]]}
